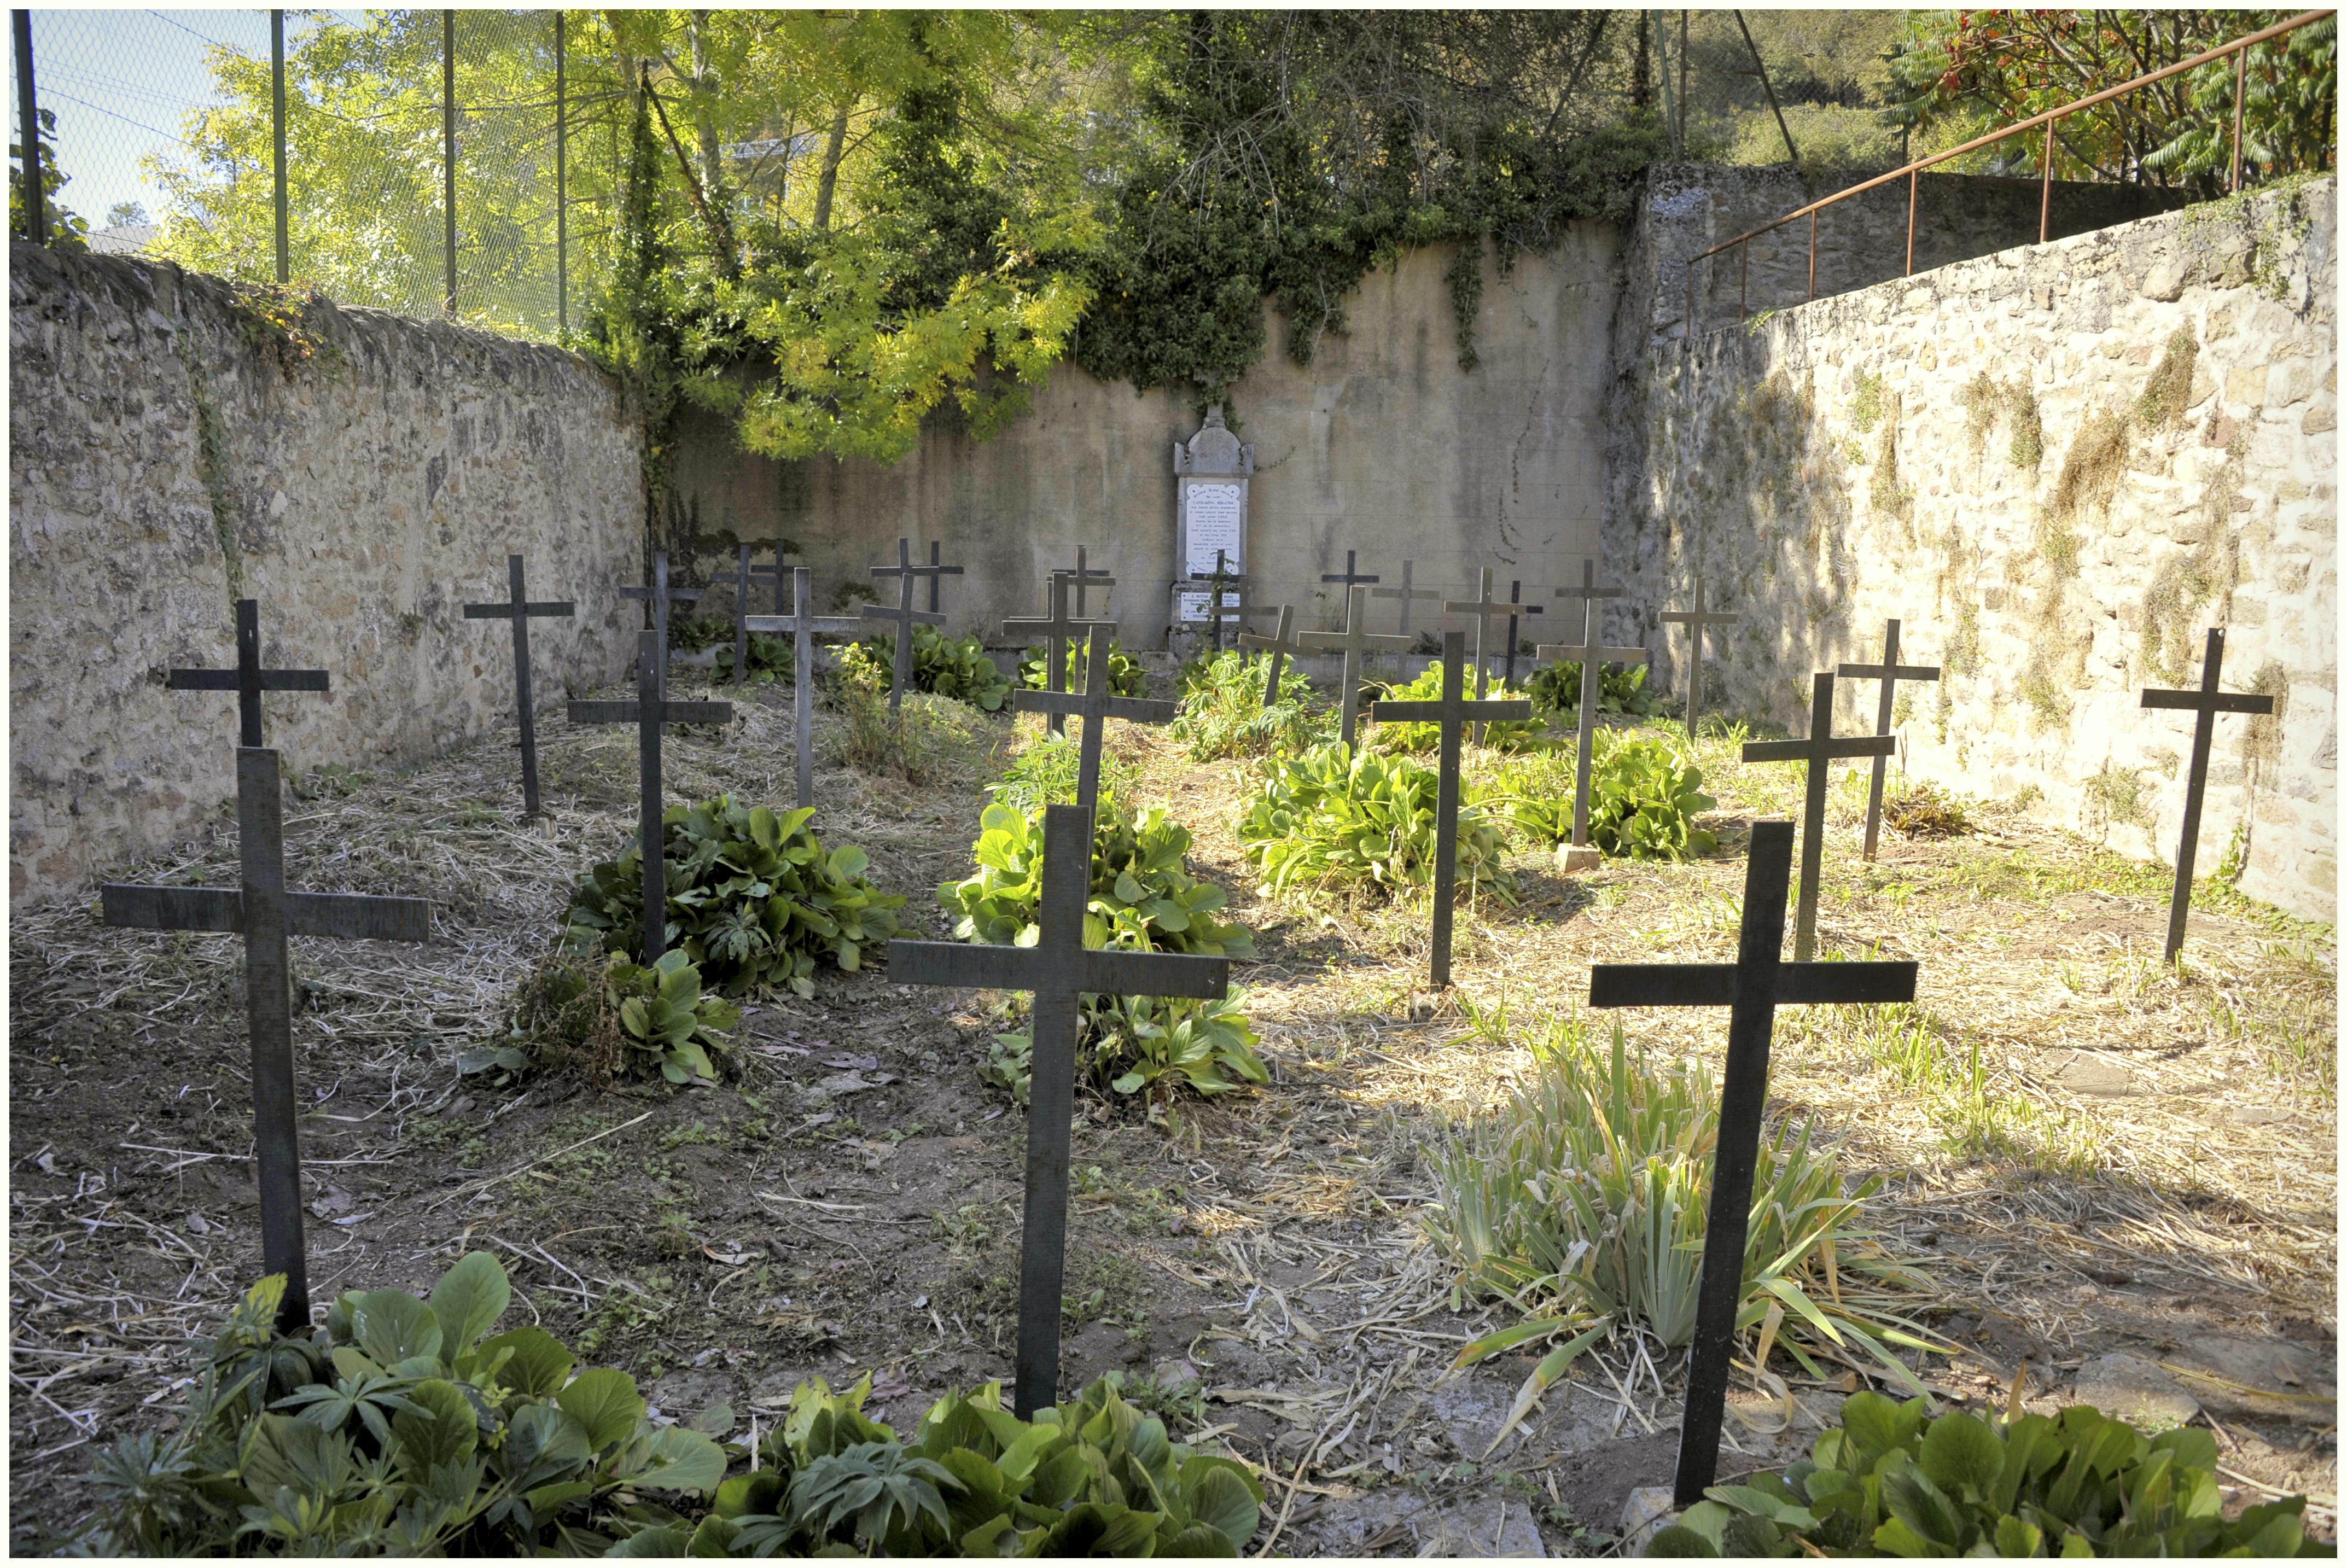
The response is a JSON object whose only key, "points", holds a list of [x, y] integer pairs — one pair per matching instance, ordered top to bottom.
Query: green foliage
{"points": [[63, 228], [771, 658], [957, 668], [1126, 678], [1620, 689], [1222, 711], [1500, 734], [1047, 771], [1643, 800], [1925, 810], [1337, 819], [753, 898], [618, 1021], [1148, 1046], [1583, 1201], [397, 1429], [1890, 1482]]}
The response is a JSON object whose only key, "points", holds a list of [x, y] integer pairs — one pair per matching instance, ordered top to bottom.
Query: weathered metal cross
{"points": [[776, 571], [936, 574], [743, 577], [1349, 577], [1085, 578], [1404, 593], [661, 595], [1515, 596], [519, 609], [1485, 610], [1217, 611], [905, 616], [1696, 620], [803, 625], [1057, 629], [1354, 641], [1282, 648], [1592, 655], [1890, 672], [2207, 702], [1093, 706], [648, 713], [1452, 713], [1819, 749], [261, 908], [1059, 969], [1752, 988]]}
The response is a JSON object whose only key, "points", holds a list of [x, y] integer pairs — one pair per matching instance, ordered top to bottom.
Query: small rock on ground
{"points": [[2134, 1390]]}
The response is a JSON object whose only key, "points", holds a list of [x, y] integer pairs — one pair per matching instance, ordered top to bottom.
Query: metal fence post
{"points": [[2240, 96], [28, 117], [277, 123], [448, 150], [1912, 176], [2045, 188], [562, 196], [1813, 254], [1743, 275]]}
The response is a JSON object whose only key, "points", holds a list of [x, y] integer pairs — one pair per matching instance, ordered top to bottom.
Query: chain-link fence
{"points": [[433, 162]]}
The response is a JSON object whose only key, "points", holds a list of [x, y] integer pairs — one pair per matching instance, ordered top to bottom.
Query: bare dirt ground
{"points": [[2097, 1158]]}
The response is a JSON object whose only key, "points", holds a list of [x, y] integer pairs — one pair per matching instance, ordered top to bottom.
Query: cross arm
{"points": [[1349, 578], [684, 595], [533, 607], [1486, 608], [927, 617], [1711, 618], [841, 624], [1072, 627], [1337, 642], [1571, 655], [1896, 672], [229, 680], [2215, 702], [1134, 710], [695, 712], [1434, 712], [1820, 751], [349, 915], [963, 964], [1121, 971], [1810, 984], [1714, 985]]}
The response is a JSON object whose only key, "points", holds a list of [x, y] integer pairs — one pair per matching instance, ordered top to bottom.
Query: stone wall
{"points": [[1383, 446], [2056, 465], [361, 498]]}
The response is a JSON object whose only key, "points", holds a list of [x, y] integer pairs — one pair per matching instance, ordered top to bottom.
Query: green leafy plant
{"points": [[769, 658], [957, 668], [1126, 678], [1620, 689], [1222, 711], [1501, 734], [1048, 770], [1643, 800], [1925, 810], [1332, 818], [753, 898], [616, 1021], [1146, 1045], [1583, 1201], [403, 1427], [1891, 1482]]}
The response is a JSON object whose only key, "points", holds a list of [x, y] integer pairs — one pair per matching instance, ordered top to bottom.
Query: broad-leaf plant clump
{"points": [[952, 667], [1127, 675], [1222, 713], [1644, 799], [1337, 820]]}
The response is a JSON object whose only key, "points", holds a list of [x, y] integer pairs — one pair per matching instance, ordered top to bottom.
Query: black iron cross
{"points": [[776, 571], [936, 574], [744, 576], [1349, 577], [1085, 578], [1223, 578], [1404, 593], [661, 595], [1515, 596], [519, 609], [1485, 610], [905, 616], [1696, 620], [803, 625], [1057, 628], [1354, 641], [1281, 646], [1592, 656], [1890, 672], [2207, 702], [1094, 706], [648, 713], [1451, 713], [1819, 749], [261, 908], [1059, 969], [1752, 988]]}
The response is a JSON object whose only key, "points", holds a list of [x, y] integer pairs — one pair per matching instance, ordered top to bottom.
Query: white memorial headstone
{"points": [[1211, 471]]}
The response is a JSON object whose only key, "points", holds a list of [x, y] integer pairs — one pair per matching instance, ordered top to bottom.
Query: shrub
{"points": [[771, 658], [955, 668], [1126, 678], [1556, 688], [1222, 711], [1501, 734], [909, 743], [1643, 800], [1925, 810], [1337, 819], [753, 898], [611, 1022], [1146, 1045], [1583, 1200], [396, 1430], [1887, 1481]]}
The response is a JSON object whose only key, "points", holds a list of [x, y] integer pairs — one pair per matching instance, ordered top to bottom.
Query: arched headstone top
{"points": [[1213, 449]]}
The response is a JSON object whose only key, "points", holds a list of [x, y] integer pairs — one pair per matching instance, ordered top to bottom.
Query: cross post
{"points": [[776, 571], [936, 574], [742, 577], [1349, 577], [1085, 578], [1404, 593], [661, 595], [1515, 596], [1482, 608], [519, 609], [1216, 612], [905, 616], [1696, 620], [803, 625], [1057, 628], [1354, 641], [1282, 647], [1592, 655], [1890, 672], [2206, 703], [1094, 706], [648, 713], [1452, 713], [1820, 748], [261, 908], [1059, 970], [1752, 988]]}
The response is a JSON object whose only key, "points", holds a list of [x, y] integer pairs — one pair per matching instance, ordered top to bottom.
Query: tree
{"points": [[63, 228]]}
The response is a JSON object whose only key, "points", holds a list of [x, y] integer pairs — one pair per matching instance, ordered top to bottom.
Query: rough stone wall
{"points": [[1383, 446], [2057, 465], [362, 498]]}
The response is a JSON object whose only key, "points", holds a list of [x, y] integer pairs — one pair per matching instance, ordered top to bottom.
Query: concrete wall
{"points": [[1383, 446], [1868, 456], [360, 498]]}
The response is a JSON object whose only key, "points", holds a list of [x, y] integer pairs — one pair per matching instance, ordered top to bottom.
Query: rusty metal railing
{"points": [[2238, 48]]}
